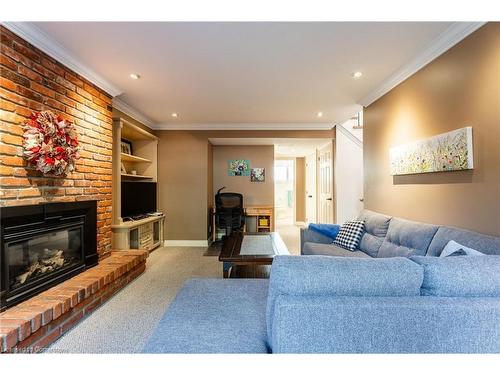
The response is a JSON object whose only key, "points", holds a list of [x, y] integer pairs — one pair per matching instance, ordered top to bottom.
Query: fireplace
{"points": [[43, 245]]}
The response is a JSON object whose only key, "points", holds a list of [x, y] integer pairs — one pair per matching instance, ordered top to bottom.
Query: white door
{"points": [[325, 185], [311, 188]]}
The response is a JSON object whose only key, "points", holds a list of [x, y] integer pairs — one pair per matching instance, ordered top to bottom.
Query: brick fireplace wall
{"points": [[31, 81]]}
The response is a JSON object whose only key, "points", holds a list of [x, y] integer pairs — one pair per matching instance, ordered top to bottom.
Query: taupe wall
{"points": [[460, 88], [184, 175], [300, 189], [254, 193]]}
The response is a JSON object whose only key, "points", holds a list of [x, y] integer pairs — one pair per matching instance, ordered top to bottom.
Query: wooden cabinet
{"points": [[263, 217]]}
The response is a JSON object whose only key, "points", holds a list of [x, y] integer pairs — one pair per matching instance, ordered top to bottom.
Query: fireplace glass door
{"points": [[42, 255]]}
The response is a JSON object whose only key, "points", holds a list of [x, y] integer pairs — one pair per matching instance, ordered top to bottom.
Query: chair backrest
{"points": [[228, 201]]}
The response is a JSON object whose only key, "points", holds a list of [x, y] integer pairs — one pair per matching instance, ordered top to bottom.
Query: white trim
{"points": [[451, 36], [51, 47], [120, 105], [246, 126], [349, 135], [186, 243]]}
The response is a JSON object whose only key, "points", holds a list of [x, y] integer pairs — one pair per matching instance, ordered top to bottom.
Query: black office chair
{"points": [[229, 213]]}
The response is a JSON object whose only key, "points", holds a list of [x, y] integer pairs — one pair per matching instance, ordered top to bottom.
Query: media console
{"points": [[144, 234]]}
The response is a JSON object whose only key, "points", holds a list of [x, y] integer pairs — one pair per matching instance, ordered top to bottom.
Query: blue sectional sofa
{"points": [[387, 236], [340, 304]]}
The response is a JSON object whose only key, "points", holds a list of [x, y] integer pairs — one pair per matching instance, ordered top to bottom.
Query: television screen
{"points": [[138, 198]]}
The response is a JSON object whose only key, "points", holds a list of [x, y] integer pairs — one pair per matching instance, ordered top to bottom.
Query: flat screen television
{"points": [[138, 198]]}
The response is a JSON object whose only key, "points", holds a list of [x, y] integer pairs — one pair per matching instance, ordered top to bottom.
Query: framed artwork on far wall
{"points": [[126, 146], [238, 167], [258, 174]]}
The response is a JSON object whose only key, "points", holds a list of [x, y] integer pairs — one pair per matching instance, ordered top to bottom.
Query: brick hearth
{"points": [[39, 321]]}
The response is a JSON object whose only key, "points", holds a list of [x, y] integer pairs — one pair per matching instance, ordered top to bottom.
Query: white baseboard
{"points": [[185, 243]]}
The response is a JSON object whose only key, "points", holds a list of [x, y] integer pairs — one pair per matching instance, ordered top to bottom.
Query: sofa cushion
{"points": [[376, 226], [406, 238], [485, 244], [311, 248], [339, 276], [461, 276], [214, 316]]}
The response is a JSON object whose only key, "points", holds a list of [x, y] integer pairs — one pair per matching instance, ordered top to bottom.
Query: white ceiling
{"points": [[245, 72], [283, 147]]}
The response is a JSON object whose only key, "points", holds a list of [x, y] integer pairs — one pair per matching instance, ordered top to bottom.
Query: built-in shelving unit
{"points": [[143, 159], [147, 233]]}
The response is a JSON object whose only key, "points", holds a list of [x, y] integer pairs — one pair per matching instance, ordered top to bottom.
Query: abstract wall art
{"points": [[450, 151], [238, 167], [258, 174]]}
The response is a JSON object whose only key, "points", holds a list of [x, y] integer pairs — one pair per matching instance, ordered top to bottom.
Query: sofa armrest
{"points": [[307, 235], [414, 324]]}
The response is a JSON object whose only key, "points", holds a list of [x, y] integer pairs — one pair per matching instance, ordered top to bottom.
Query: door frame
{"points": [[330, 143]]}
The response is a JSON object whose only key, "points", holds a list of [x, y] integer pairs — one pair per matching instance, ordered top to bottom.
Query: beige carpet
{"points": [[125, 322]]}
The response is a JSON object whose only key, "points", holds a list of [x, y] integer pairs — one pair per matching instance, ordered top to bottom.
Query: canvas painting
{"points": [[450, 151], [239, 167], [258, 174]]}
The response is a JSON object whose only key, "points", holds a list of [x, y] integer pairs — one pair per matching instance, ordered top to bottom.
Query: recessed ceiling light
{"points": [[357, 75], [135, 76], [175, 114], [319, 114]]}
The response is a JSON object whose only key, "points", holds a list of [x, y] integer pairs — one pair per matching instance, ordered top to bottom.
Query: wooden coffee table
{"points": [[250, 249]]}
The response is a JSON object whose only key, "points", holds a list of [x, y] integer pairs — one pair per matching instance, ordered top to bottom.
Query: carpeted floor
{"points": [[125, 322]]}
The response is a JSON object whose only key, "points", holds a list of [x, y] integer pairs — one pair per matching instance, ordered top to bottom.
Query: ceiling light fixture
{"points": [[357, 75], [135, 76], [175, 114], [319, 114]]}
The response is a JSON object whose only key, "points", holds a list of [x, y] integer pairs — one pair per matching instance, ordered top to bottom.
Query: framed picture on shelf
{"points": [[126, 146], [123, 169]]}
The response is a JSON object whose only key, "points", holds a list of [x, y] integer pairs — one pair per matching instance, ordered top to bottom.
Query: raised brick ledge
{"points": [[39, 321]]}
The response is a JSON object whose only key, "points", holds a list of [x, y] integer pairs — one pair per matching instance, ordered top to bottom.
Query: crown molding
{"points": [[451, 36], [51, 47], [120, 105], [246, 126], [349, 135]]}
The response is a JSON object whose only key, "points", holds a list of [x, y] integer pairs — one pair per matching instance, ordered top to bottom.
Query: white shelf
{"points": [[133, 158], [136, 176]]}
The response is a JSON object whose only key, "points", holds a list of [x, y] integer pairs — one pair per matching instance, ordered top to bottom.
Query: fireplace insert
{"points": [[43, 245]]}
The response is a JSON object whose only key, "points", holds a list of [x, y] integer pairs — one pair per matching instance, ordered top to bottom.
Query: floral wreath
{"points": [[50, 143]]}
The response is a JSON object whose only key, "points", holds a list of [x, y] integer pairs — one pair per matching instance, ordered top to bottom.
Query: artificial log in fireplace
{"points": [[43, 245]]}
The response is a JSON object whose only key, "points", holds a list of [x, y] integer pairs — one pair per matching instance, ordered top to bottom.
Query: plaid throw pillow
{"points": [[350, 234]]}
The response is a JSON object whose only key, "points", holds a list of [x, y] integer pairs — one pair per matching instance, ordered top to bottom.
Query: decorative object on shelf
{"points": [[50, 143], [126, 146], [450, 151], [238, 167], [123, 169], [134, 172], [258, 174]]}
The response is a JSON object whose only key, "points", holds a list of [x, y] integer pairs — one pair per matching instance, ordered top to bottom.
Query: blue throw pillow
{"points": [[328, 230], [460, 276]]}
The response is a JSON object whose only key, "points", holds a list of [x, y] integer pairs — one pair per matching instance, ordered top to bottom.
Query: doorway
{"points": [[284, 191], [326, 208]]}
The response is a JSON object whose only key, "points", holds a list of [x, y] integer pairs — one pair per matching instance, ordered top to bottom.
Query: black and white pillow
{"points": [[350, 234]]}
